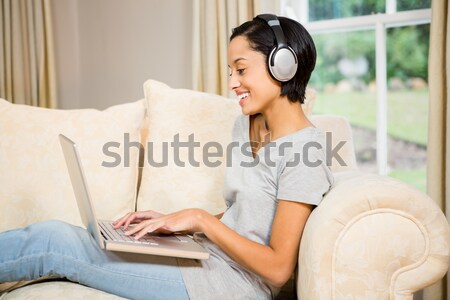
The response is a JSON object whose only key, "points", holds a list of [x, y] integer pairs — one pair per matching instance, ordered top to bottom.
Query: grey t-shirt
{"points": [[291, 168]]}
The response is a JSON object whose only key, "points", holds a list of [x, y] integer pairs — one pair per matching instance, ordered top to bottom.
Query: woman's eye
{"points": [[240, 71]]}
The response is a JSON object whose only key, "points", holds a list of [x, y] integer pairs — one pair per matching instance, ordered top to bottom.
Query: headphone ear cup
{"points": [[283, 64]]}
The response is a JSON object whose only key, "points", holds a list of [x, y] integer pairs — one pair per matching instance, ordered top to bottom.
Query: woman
{"points": [[269, 194]]}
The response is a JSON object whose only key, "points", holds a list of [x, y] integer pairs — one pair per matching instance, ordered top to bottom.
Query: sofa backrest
{"points": [[340, 148], [34, 182], [35, 186]]}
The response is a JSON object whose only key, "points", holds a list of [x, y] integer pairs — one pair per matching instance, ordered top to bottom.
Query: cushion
{"points": [[179, 112], [210, 118], [339, 140], [34, 181], [56, 290]]}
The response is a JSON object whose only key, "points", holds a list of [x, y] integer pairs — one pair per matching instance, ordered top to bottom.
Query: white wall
{"points": [[106, 49]]}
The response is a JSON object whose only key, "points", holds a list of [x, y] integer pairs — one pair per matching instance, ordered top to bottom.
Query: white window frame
{"points": [[378, 22]]}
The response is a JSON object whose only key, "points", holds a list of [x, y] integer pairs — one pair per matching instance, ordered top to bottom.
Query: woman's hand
{"points": [[136, 218], [184, 221]]}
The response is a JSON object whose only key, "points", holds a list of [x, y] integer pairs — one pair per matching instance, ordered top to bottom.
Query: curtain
{"points": [[213, 22], [27, 71], [438, 156]]}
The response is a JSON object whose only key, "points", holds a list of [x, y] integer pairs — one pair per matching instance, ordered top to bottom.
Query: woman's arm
{"points": [[275, 262]]}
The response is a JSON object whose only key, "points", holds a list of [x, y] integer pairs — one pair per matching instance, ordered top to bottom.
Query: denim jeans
{"points": [[59, 249]]}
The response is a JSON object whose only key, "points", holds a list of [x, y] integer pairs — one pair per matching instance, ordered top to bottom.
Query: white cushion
{"points": [[177, 111], [339, 139], [34, 182], [56, 290]]}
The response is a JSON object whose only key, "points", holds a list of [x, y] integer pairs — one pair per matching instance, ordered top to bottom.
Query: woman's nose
{"points": [[233, 82]]}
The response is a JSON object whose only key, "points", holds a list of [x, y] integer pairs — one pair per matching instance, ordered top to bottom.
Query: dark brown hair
{"points": [[262, 39]]}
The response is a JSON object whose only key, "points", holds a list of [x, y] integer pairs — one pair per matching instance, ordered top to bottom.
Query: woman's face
{"points": [[250, 79]]}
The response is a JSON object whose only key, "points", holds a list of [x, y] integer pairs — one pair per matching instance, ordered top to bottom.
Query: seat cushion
{"points": [[34, 181], [56, 290]]}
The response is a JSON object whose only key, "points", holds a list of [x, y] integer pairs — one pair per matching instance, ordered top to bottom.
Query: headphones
{"points": [[282, 60]]}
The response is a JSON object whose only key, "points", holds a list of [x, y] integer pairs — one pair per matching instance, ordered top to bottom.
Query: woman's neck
{"points": [[284, 118]]}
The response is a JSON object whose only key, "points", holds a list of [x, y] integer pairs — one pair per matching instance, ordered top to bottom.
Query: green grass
{"points": [[407, 111], [407, 120], [416, 177]]}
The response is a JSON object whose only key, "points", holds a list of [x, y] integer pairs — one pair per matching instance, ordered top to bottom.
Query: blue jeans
{"points": [[63, 250]]}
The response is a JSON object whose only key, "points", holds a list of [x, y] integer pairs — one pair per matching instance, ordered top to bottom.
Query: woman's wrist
{"points": [[203, 218]]}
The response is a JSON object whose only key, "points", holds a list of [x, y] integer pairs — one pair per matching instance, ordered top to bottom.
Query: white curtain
{"points": [[213, 23], [27, 71]]}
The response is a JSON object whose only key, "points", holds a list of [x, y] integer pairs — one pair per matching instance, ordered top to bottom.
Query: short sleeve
{"points": [[304, 180]]}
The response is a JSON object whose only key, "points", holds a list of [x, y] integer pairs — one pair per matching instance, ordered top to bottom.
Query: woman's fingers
{"points": [[135, 217], [132, 218], [125, 220], [184, 220], [120, 221], [146, 226], [138, 227], [150, 228]]}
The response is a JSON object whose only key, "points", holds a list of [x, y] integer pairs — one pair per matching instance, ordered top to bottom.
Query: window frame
{"points": [[379, 22]]}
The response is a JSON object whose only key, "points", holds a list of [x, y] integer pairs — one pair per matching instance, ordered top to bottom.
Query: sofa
{"points": [[372, 237]]}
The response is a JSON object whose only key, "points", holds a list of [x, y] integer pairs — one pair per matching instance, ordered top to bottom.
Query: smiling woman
{"points": [[254, 246]]}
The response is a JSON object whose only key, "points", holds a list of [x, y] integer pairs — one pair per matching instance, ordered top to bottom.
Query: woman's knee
{"points": [[51, 227], [54, 231], [59, 237], [40, 238]]}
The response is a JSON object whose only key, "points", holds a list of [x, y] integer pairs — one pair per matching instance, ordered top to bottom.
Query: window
{"points": [[372, 67]]}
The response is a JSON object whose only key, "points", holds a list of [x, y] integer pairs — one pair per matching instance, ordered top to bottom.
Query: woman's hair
{"points": [[262, 39]]}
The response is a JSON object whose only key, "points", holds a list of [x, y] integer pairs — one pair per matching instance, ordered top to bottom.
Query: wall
{"points": [[106, 49]]}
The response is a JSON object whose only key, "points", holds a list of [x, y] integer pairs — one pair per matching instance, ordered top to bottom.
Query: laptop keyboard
{"points": [[119, 235]]}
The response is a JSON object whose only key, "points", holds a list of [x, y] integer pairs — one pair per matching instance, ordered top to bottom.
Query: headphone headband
{"points": [[275, 25]]}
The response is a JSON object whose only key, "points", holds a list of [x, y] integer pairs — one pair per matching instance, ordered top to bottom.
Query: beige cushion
{"points": [[310, 100], [209, 118], [338, 132], [34, 183], [56, 290]]}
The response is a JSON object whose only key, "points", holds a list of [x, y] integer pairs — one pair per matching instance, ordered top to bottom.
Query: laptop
{"points": [[174, 245]]}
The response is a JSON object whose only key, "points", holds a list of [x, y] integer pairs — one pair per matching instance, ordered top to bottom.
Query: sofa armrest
{"points": [[372, 237]]}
